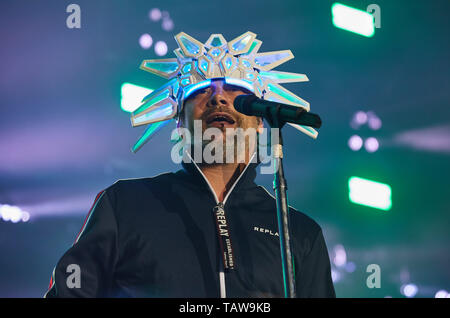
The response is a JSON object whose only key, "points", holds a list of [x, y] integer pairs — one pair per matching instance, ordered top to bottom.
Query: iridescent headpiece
{"points": [[196, 64]]}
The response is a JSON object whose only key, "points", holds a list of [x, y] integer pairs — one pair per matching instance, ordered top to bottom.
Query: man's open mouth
{"points": [[220, 118]]}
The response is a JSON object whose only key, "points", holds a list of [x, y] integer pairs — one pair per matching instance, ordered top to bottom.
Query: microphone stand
{"points": [[280, 188]]}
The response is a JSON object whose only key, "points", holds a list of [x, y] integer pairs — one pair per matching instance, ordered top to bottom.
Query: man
{"points": [[206, 230]]}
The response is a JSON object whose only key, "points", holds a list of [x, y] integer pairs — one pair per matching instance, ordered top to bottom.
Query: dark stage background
{"points": [[64, 136]]}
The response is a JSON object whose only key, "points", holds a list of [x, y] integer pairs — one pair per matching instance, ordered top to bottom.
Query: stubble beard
{"points": [[231, 146]]}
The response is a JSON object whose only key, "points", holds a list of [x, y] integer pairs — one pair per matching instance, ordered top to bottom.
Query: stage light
{"points": [[155, 14], [353, 20], [167, 24], [145, 41], [161, 48], [132, 95], [360, 118], [374, 121], [355, 142], [371, 144], [370, 193], [10, 213], [13, 213], [25, 216], [16, 217], [340, 256], [350, 267], [409, 290], [441, 294]]}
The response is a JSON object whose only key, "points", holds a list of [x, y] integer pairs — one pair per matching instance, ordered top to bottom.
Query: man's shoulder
{"points": [[129, 182], [138, 184], [132, 195]]}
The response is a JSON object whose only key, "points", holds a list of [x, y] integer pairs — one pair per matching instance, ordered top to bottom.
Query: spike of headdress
{"points": [[237, 61]]}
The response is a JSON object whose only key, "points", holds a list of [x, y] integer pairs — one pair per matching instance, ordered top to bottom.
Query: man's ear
{"points": [[260, 128]]}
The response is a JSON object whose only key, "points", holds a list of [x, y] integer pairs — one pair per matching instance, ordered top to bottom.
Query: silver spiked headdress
{"points": [[238, 62]]}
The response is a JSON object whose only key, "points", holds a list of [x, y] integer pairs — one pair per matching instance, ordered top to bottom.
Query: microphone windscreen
{"points": [[242, 103]]}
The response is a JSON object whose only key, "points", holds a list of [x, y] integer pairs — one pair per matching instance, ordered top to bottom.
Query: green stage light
{"points": [[353, 20], [132, 95], [370, 193]]}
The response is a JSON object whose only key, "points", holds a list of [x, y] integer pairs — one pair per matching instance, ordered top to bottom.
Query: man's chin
{"points": [[218, 152]]}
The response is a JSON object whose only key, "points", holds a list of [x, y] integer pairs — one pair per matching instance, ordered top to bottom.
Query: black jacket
{"points": [[158, 237]]}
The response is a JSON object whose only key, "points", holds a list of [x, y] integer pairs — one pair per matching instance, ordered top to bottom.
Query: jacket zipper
{"points": [[220, 206]]}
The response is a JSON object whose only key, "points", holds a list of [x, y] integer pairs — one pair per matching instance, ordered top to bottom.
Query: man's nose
{"points": [[218, 99]]}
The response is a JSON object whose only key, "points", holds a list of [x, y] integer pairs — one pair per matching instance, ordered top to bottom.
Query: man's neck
{"points": [[222, 176]]}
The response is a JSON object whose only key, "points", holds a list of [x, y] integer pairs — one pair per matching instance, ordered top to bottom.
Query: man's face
{"points": [[213, 106]]}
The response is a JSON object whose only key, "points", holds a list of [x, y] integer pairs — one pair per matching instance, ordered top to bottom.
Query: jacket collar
{"points": [[192, 172]]}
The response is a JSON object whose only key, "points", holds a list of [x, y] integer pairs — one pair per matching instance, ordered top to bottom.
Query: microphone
{"points": [[251, 105]]}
